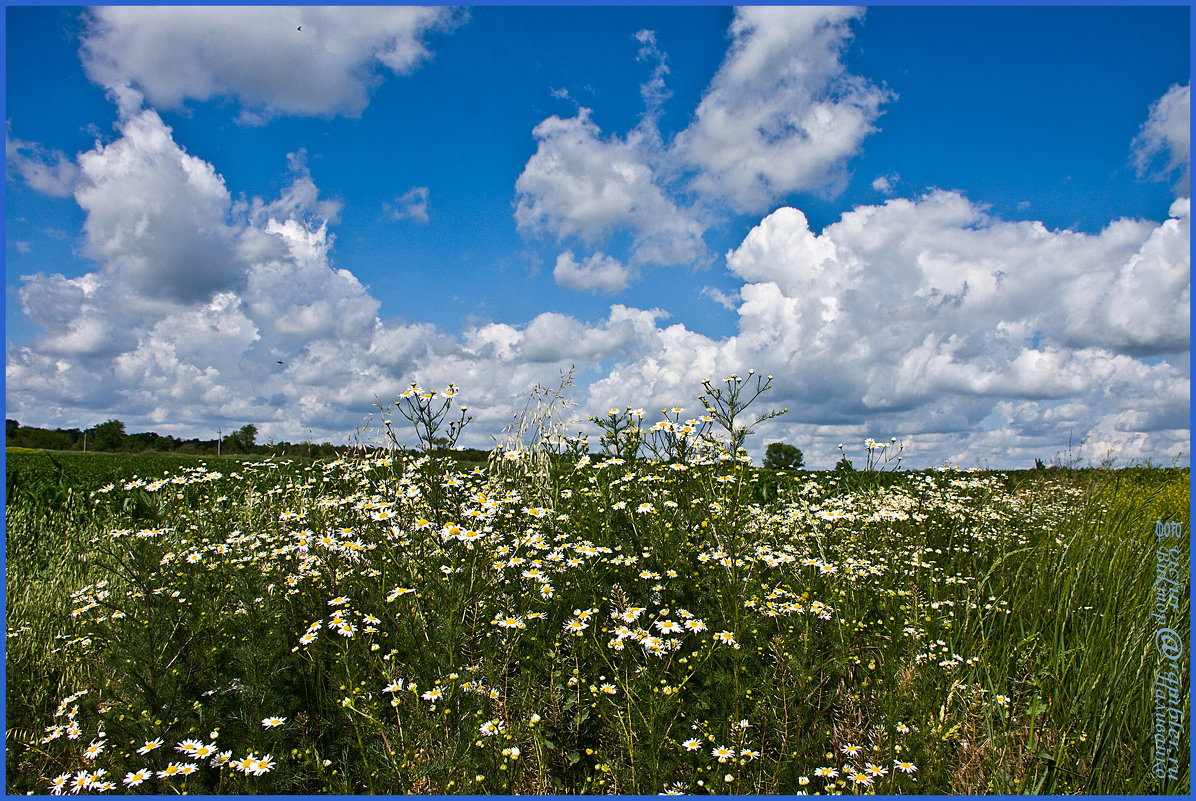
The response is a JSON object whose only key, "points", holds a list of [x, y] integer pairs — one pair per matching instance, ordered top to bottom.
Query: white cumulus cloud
{"points": [[257, 55], [782, 114], [1167, 134], [49, 172], [885, 183], [581, 184], [156, 216], [598, 272], [196, 298], [925, 304], [205, 312], [967, 336]]}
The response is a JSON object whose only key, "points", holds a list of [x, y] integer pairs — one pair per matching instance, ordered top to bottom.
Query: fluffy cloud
{"points": [[257, 54], [782, 114], [1167, 133], [52, 173], [885, 183], [583, 185], [412, 205], [156, 216], [914, 268], [599, 272], [196, 298], [930, 304], [206, 312], [74, 314], [929, 317], [968, 337], [558, 338]]}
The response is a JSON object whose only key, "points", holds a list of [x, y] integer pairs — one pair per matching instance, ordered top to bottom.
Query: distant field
{"points": [[91, 469], [46, 478], [203, 625]]}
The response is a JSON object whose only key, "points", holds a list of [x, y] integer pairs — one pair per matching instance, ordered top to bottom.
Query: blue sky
{"points": [[964, 227]]}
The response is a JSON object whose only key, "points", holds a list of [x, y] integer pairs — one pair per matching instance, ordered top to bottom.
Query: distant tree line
{"points": [[110, 436]]}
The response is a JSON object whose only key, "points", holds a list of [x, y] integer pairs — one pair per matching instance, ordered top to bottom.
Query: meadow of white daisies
{"points": [[663, 617]]}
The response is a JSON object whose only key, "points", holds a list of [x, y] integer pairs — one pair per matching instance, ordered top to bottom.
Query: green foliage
{"points": [[727, 404], [427, 411], [622, 433], [109, 435], [244, 436], [241, 441], [782, 456], [880, 456]]}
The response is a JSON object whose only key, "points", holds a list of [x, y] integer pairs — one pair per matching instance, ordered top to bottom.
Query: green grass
{"points": [[95, 468], [990, 629]]}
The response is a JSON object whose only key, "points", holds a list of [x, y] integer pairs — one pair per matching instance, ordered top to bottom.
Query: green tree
{"points": [[109, 435], [245, 436], [55, 440], [783, 456], [845, 465]]}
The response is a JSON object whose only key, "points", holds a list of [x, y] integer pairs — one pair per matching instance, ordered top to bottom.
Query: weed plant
{"points": [[665, 618]]}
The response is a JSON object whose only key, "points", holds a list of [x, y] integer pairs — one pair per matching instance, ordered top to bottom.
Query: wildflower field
{"points": [[665, 617]]}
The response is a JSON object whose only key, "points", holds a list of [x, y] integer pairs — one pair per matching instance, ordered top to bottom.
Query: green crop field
{"points": [[31, 472], [398, 624]]}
